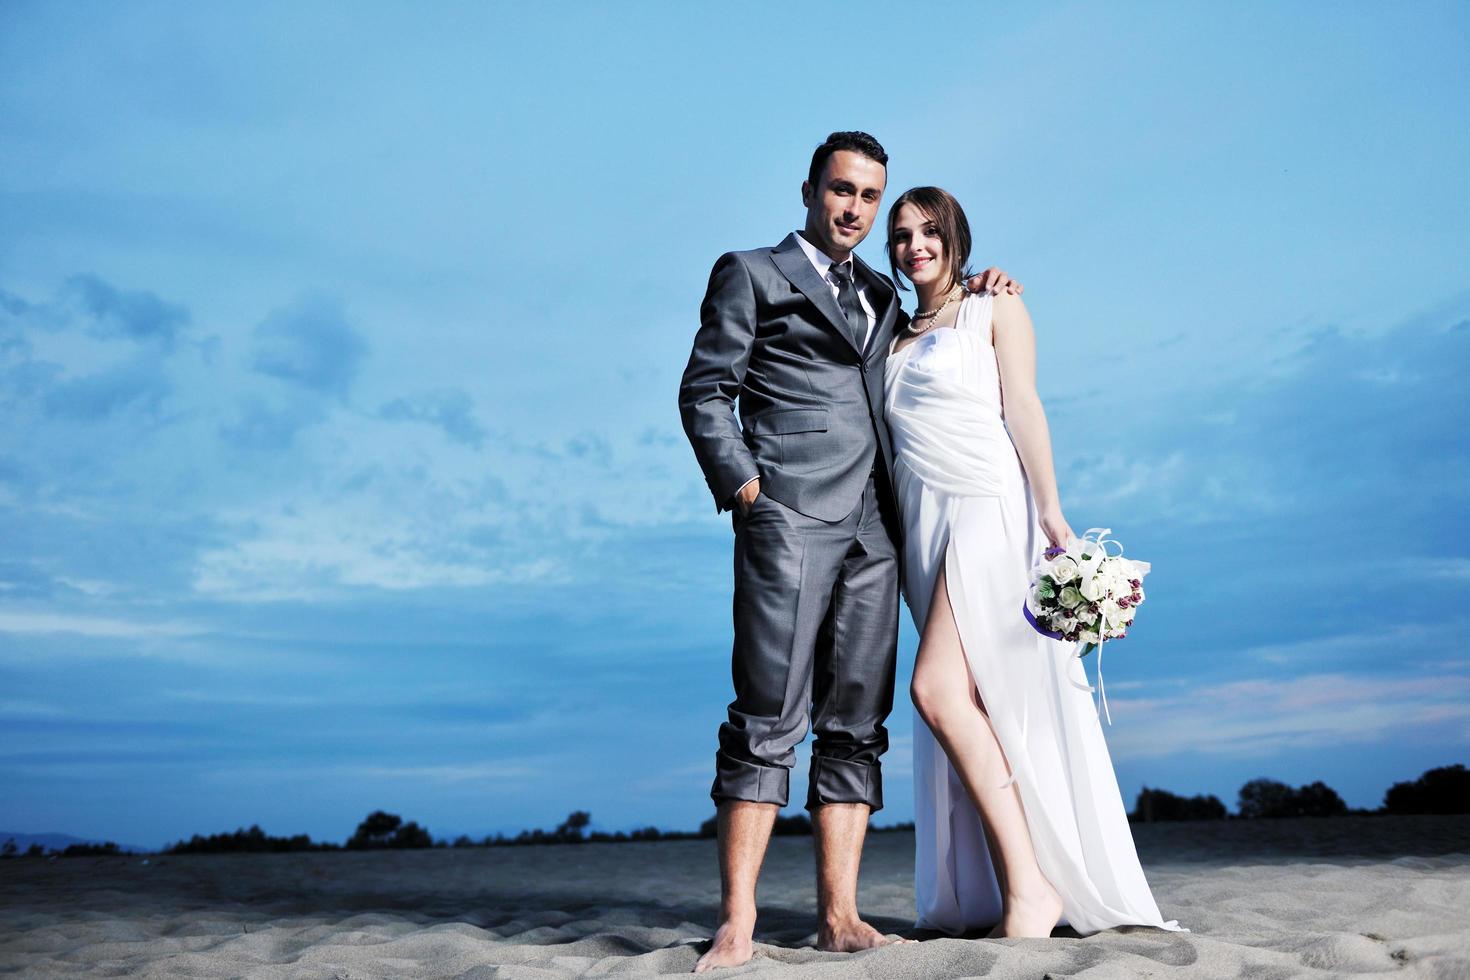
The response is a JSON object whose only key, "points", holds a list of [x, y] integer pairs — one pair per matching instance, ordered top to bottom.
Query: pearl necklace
{"points": [[930, 315]]}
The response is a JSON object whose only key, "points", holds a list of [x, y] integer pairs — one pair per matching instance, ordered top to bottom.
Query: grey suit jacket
{"points": [[773, 339]]}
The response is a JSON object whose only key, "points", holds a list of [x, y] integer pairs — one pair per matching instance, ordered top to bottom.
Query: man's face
{"points": [[841, 212]]}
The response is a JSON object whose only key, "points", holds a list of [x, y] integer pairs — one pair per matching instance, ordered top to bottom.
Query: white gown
{"points": [[964, 500]]}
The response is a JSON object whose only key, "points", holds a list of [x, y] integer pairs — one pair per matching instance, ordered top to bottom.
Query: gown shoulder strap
{"points": [[975, 314]]}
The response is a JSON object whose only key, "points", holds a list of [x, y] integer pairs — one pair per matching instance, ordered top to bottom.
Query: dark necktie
{"points": [[847, 298]]}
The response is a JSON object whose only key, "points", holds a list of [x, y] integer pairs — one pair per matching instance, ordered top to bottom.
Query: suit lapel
{"points": [[794, 265], [885, 304]]}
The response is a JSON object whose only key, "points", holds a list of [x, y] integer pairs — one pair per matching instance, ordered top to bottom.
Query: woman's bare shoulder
{"points": [[1007, 303], [1008, 311]]}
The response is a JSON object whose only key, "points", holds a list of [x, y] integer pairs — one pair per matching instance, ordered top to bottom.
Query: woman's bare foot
{"points": [[1032, 915], [852, 935], [732, 946]]}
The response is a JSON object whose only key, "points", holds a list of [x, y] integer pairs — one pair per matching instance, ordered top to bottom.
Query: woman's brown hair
{"points": [[940, 207]]}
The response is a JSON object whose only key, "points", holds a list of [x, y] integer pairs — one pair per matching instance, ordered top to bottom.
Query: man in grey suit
{"points": [[798, 336]]}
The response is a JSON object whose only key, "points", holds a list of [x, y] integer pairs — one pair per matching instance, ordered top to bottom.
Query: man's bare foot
{"points": [[1031, 916], [853, 935], [732, 946]]}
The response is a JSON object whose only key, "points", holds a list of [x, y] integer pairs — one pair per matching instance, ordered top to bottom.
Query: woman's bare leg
{"points": [[944, 693]]}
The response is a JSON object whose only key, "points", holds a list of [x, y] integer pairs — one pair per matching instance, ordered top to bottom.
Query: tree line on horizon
{"points": [[1443, 791]]}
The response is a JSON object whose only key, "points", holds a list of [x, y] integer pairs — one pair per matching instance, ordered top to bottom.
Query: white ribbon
{"points": [[1089, 569], [1100, 690], [1025, 719]]}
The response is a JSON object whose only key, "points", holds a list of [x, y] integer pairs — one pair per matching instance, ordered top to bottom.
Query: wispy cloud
{"points": [[134, 314], [310, 343], [140, 384], [450, 410], [319, 549], [94, 626], [1389, 643], [251, 699], [11, 708], [1264, 716], [352, 773], [452, 773]]}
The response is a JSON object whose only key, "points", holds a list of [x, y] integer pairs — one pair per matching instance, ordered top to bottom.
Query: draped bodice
{"points": [[942, 402]]}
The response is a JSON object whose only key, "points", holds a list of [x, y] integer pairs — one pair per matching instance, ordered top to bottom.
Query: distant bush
{"points": [[1442, 790], [1266, 798], [1269, 798], [1319, 800], [1160, 804], [796, 825], [574, 827], [384, 830], [574, 830], [653, 833], [252, 841], [106, 848], [9, 849]]}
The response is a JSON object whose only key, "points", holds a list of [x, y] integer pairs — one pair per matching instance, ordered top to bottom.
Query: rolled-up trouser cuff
{"points": [[737, 779], [843, 781]]}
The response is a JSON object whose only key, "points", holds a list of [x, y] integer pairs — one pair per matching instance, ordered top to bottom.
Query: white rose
{"points": [[1062, 569], [1118, 585], [1093, 587], [1070, 597]]}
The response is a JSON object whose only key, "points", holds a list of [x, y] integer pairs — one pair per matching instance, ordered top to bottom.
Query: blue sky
{"points": [[339, 348]]}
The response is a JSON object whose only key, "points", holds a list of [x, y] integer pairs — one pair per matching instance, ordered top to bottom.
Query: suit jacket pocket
{"points": [[788, 421]]}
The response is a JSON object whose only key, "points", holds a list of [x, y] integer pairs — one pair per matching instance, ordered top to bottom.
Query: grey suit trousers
{"points": [[816, 631]]}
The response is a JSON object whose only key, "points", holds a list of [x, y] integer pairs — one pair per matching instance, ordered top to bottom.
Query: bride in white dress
{"points": [[1019, 822]]}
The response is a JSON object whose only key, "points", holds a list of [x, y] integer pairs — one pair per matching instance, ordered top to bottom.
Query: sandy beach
{"points": [[1359, 896]]}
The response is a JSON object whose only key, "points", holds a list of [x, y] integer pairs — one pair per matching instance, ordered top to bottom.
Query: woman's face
{"points": [[918, 248]]}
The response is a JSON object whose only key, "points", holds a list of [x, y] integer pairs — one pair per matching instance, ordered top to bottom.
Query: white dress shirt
{"points": [[823, 264]]}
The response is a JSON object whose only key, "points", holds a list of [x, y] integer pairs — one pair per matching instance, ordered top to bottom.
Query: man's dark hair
{"points": [[855, 141]]}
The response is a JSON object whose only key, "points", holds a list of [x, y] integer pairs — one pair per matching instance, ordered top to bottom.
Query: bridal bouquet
{"points": [[1083, 593]]}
